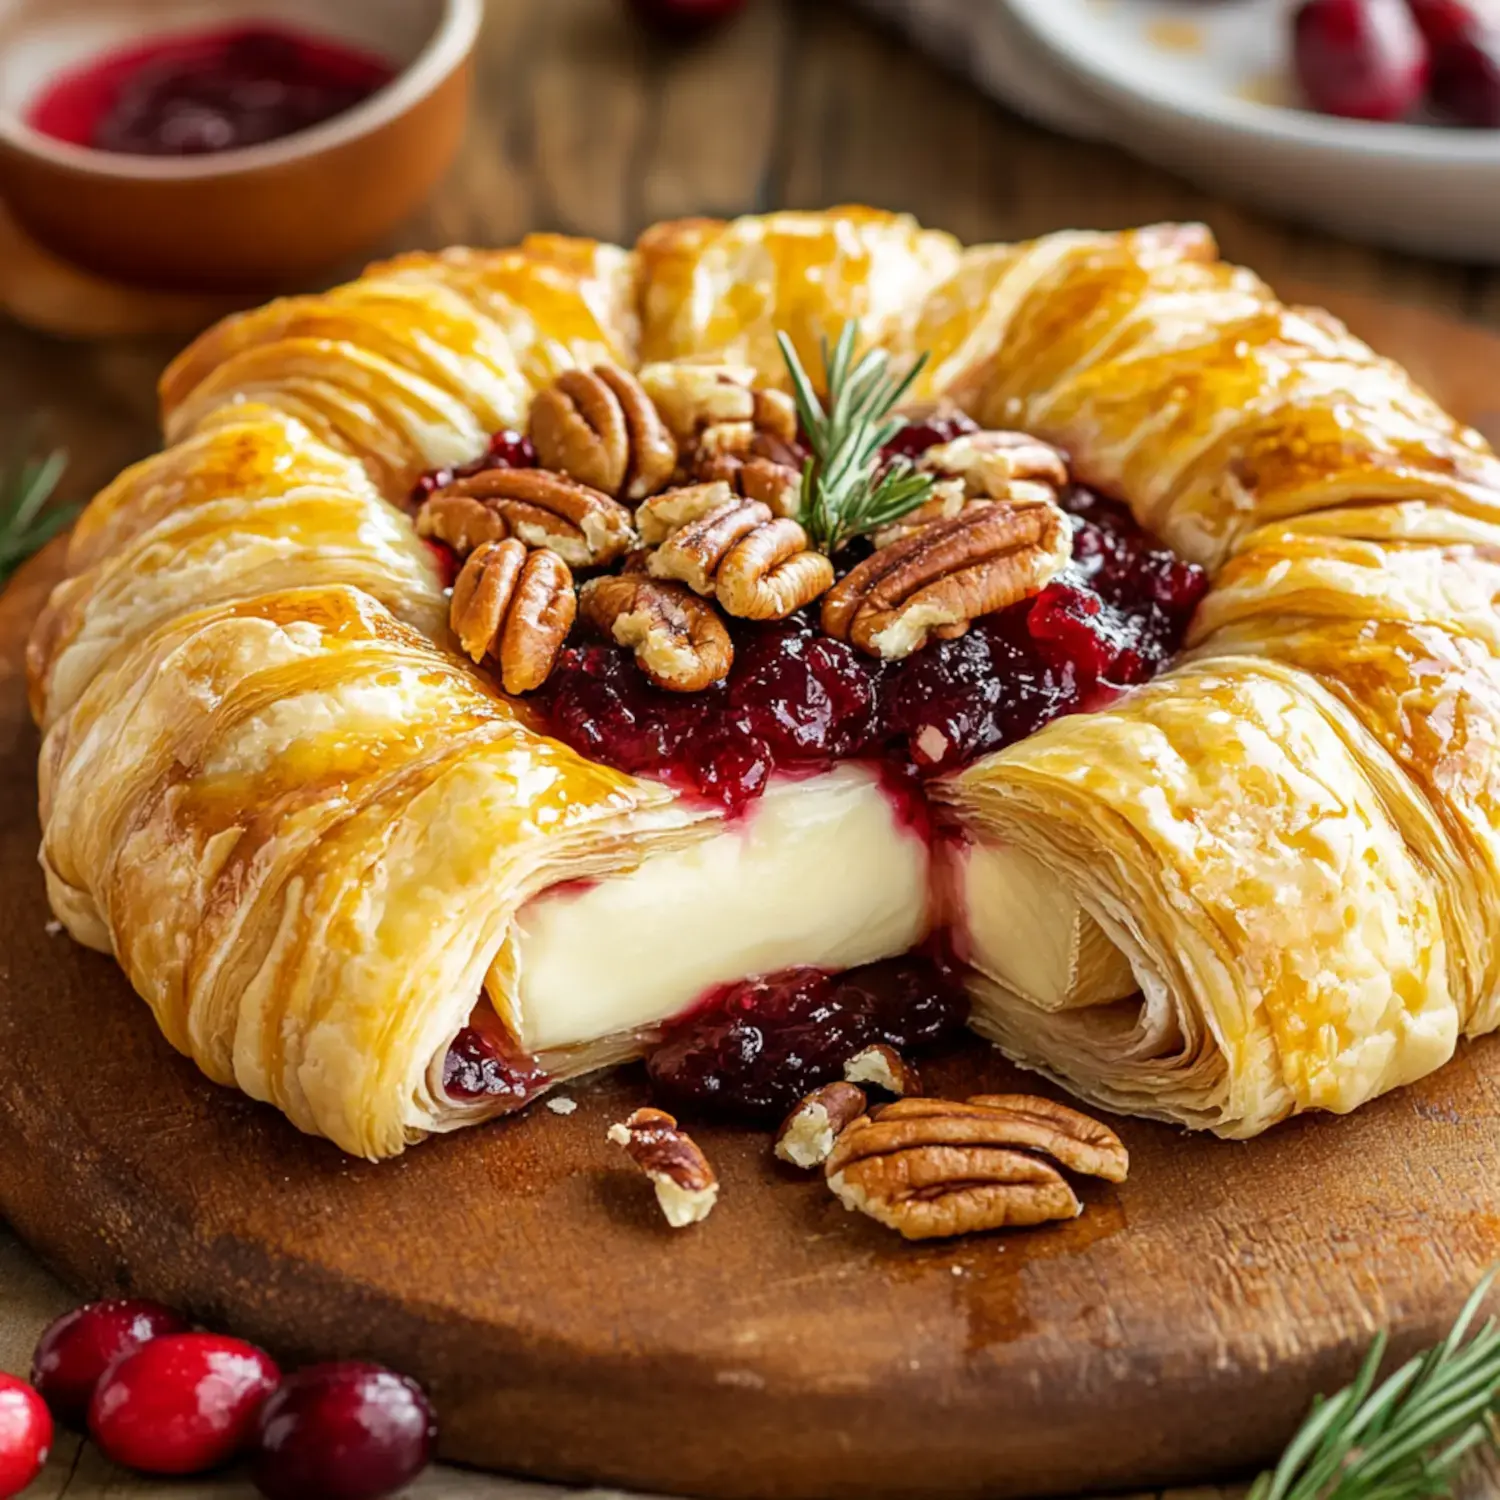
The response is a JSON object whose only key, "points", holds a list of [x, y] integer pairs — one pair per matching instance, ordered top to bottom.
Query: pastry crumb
{"points": [[53, 928], [562, 1105]]}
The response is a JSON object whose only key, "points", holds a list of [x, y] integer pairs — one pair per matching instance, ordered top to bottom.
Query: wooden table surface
{"points": [[583, 124]]}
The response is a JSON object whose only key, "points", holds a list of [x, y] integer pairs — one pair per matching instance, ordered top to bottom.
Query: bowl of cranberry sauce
{"points": [[166, 145]]}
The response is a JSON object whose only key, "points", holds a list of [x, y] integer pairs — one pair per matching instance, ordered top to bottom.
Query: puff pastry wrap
{"points": [[303, 826]]}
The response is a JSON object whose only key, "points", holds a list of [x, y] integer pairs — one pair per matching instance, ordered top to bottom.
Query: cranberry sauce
{"points": [[187, 95], [507, 450], [797, 699], [753, 1049], [483, 1063]]}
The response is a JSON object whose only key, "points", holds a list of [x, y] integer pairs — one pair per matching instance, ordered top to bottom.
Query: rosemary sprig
{"points": [[26, 485], [846, 491], [1405, 1439]]}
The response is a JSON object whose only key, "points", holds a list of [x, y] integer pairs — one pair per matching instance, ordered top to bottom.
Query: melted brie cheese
{"points": [[820, 872]]}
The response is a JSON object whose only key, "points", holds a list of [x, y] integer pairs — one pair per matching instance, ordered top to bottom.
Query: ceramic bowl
{"points": [[1205, 89], [256, 218]]}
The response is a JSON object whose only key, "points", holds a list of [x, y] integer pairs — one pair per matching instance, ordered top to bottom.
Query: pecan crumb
{"points": [[883, 1068], [807, 1135], [686, 1187]]}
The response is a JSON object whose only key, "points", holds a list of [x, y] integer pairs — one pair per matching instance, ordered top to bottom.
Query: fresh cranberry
{"points": [[684, 18], [1445, 21], [1363, 59], [1466, 78], [917, 437], [506, 450], [446, 559], [753, 1049], [479, 1066], [80, 1346], [182, 1404], [347, 1431], [25, 1435]]}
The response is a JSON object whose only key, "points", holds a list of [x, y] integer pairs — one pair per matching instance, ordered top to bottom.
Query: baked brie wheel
{"points": [[356, 878]]}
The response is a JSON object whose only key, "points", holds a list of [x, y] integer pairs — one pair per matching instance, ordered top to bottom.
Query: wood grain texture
{"points": [[1221, 1287], [785, 1348]]}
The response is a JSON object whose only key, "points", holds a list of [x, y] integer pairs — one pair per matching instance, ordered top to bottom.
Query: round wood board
{"points": [[785, 1347]]}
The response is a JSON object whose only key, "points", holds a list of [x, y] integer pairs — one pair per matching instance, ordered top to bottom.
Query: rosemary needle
{"points": [[26, 525]]}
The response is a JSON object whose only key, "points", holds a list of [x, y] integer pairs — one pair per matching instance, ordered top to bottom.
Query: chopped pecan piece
{"points": [[692, 397], [601, 427], [1000, 465], [775, 484], [584, 526], [759, 567], [946, 574], [517, 606], [679, 640], [883, 1068], [807, 1135], [930, 1168], [686, 1187]]}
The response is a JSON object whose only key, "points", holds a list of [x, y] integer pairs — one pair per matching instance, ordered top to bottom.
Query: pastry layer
{"points": [[821, 871]]}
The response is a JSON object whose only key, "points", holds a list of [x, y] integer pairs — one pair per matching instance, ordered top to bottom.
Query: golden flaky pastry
{"points": [[312, 833]]}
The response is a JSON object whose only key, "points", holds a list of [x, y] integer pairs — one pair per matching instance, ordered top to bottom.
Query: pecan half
{"points": [[601, 427], [585, 527], [693, 552], [758, 566], [771, 572], [946, 574], [515, 605], [679, 640], [883, 1068], [808, 1133], [930, 1168], [685, 1183]]}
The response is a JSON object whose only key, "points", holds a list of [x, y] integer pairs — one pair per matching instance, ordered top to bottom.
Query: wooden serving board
{"points": [[785, 1347]]}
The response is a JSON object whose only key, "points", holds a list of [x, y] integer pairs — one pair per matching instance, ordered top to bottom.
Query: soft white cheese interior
{"points": [[822, 872], [1026, 931]]}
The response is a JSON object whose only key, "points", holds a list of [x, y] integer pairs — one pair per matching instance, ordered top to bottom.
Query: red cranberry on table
{"points": [[684, 17], [1445, 21], [1362, 59], [1466, 78], [80, 1346], [182, 1404], [349, 1431], [25, 1435]]}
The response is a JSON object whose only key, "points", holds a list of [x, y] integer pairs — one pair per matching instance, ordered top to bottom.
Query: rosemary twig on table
{"points": [[846, 490], [27, 523], [1406, 1438]]}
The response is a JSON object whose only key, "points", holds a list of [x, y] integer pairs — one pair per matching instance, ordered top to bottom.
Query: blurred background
{"points": [[592, 117]]}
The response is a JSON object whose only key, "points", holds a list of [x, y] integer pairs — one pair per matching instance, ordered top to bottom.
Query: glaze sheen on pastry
{"points": [[312, 834]]}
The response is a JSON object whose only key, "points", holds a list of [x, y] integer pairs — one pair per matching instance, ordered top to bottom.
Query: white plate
{"points": [[1187, 80]]}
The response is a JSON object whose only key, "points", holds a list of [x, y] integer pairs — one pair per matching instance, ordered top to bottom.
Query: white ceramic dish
{"points": [[1189, 84]]}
